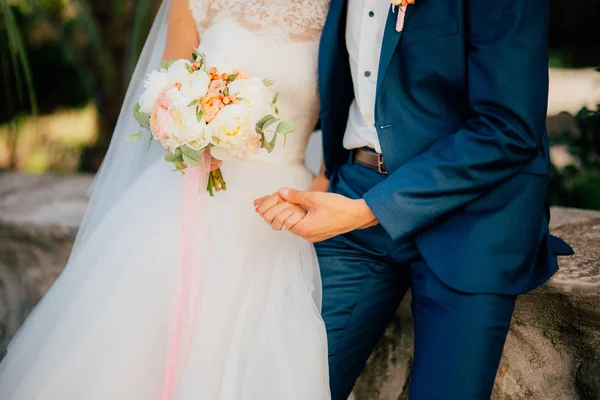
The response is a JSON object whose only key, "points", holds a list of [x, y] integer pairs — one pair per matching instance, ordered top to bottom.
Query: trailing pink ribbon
{"points": [[401, 16], [400, 20], [188, 280]]}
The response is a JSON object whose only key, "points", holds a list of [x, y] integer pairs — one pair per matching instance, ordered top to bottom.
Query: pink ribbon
{"points": [[400, 20], [185, 305]]}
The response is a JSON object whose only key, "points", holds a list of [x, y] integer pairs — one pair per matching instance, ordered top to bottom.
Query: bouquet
{"points": [[209, 103]]}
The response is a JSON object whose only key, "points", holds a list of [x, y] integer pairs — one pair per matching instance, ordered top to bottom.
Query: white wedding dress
{"points": [[101, 332]]}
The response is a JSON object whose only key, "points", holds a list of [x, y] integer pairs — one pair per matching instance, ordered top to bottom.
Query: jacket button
{"points": [[371, 14], [367, 73]]}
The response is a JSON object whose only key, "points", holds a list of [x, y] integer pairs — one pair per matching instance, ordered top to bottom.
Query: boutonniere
{"points": [[401, 5]]}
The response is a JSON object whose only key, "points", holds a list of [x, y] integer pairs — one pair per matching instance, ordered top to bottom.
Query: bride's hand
{"points": [[278, 213]]}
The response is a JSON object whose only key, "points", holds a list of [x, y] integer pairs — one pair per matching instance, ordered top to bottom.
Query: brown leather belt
{"points": [[370, 158]]}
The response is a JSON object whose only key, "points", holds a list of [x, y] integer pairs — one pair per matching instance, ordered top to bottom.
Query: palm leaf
{"points": [[90, 26], [139, 30], [66, 45], [19, 56]]}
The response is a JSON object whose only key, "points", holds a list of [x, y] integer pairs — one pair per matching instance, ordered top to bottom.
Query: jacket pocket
{"points": [[439, 30]]}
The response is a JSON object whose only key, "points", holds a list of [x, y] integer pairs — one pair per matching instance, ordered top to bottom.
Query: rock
{"points": [[39, 217], [553, 347], [552, 350]]}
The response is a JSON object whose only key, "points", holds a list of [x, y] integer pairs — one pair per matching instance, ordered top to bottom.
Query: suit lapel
{"points": [[334, 26], [391, 38], [331, 41]]}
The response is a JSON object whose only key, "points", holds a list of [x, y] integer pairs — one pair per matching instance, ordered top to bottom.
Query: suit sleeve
{"points": [[507, 56]]}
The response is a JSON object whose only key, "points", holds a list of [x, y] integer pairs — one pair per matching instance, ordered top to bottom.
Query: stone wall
{"points": [[39, 217], [552, 351]]}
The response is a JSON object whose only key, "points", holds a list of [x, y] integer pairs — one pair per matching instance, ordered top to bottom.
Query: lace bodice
{"points": [[295, 20], [276, 39]]}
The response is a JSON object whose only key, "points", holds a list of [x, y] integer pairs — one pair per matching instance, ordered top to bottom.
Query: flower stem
{"points": [[216, 182]]}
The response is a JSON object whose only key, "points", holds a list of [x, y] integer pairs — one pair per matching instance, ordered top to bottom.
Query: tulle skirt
{"points": [[101, 332]]}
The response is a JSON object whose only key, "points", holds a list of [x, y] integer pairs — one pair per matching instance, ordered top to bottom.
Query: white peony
{"points": [[221, 62], [179, 72], [155, 83], [196, 85], [174, 95], [255, 95], [232, 127], [190, 131], [194, 134]]}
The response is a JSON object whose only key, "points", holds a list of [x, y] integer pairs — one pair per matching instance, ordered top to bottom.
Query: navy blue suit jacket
{"points": [[460, 113]]}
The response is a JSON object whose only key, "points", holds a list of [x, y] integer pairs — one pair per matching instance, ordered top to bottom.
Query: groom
{"points": [[433, 121]]}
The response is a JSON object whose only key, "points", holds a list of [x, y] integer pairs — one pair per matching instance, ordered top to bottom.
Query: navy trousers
{"points": [[459, 337]]}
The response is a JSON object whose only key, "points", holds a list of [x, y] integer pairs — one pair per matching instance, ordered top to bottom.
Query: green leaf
{"points": [[200, 57], [20, 60], [165, 64], [232, 77], [268, 82], [226, 91], [275, 98], [193, 103], [276, 110], [199, 114], [142, 118], [269, 122], [260, 124], [284, 128], [135, 137], [265, 144], [272, 144], [268, 145], [190, 153], [172, 157], [190, 161], [180, 165]]}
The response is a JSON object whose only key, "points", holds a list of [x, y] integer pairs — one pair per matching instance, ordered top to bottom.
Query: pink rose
{"points": [[163, 101], [211, 105]]}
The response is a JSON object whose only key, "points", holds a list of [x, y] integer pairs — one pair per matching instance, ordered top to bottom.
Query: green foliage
{"points": [[77, 56], [18, 71], [142, 118], [283, 129], [579, 185]]}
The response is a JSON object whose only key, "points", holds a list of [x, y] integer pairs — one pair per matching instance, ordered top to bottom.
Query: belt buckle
{"points": [[380, 165]]}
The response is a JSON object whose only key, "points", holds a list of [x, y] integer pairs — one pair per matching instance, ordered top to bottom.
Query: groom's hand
{"points": [[328, 214]]}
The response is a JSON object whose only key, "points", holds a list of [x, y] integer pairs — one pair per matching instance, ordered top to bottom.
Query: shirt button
{"points": [[371, 14], [367, 73]]}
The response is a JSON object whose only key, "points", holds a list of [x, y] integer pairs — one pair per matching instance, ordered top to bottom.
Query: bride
{"points": [[102, 331]]}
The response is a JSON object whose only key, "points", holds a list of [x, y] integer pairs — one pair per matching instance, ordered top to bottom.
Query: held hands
{"points": [[278, 213], [315, 216]]}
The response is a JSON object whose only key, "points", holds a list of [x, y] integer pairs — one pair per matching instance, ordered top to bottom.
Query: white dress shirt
{"points": [[365, 25]]}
